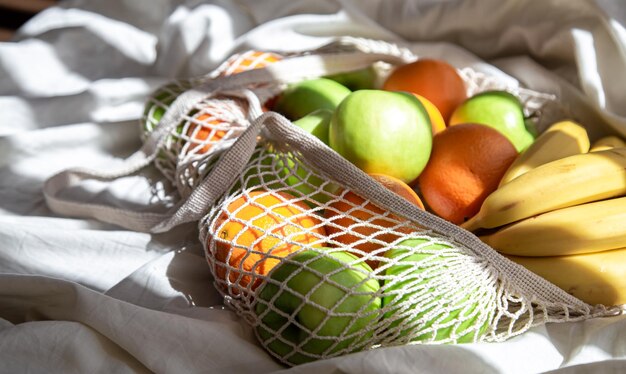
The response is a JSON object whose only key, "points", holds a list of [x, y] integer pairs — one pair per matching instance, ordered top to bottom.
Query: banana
{"points": [[560, 140], [607, 142], [558, 184], [592, 227], [595, 278]]}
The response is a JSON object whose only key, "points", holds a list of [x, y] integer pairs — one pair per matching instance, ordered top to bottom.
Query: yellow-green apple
{"points": [[302, 98], [159, 101], [500, 110], [316, 123], [383, 132], [260, 171], [294, 174], [340, 308]]}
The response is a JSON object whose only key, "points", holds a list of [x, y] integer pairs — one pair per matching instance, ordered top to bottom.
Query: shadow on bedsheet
{"points": [[83, 52], [27, 158], [22, 195], [188, 273], [176, 280], [604, 334]]}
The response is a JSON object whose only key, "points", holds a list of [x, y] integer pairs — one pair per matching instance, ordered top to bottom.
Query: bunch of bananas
{"points": [[560, 211]]}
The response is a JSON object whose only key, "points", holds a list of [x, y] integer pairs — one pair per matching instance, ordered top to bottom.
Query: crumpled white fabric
{"points": [[83, 296]]}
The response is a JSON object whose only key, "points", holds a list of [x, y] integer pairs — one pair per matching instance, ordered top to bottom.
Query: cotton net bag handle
{"points": [[361, 54]]}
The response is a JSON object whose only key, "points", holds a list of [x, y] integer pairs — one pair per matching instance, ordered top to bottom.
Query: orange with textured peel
{"points": [[434, 79], [465, 166], [354, 223], [255, 230]]}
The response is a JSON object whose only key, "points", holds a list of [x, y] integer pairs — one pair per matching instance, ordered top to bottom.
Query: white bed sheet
{"points": [[83, 296]]}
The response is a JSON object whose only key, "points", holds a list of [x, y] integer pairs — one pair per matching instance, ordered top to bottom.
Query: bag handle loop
{"points": [[219, 178]]}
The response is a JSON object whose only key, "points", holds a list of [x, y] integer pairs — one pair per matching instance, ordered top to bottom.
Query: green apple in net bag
{"points": [[302, 98], [159, 101], [154, 109], [500, 110], [316, 123], [383, 132], [260, 171], [295, 174], [331, 298], [425, 300]]}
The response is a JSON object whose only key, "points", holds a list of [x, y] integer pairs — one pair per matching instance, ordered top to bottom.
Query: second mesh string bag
{"points": [[207, 127], [324, 260]]}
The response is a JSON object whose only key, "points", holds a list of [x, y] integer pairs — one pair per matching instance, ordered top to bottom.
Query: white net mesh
{"points": [[247, 61], [203, 133]]}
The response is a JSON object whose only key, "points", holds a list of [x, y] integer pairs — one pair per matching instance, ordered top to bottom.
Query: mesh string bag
{"points": [[206, 127], [316, 255], [282, 261]]}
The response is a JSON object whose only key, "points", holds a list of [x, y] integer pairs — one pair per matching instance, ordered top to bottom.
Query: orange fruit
{"points": [[249, 60], [436, 80], [436, 119], [213, 122], [206, 134], [466, 164], [398, 187], [352, 214], [256, 230]]}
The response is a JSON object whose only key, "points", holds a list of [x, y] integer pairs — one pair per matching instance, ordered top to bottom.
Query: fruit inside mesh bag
{"points": [[247, 61], [254, 231], [312, 294], [328, 302], [318, 304]]}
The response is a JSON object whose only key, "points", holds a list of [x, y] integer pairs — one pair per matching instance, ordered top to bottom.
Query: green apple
{"points": [[363, 79], [302, 98], [159, 101], [154, 109], [500, 110], [316, 123], [383, 132], [274, 169], [260, 171], [294, 174], [302, 182], [403, 290], [330, 321]]}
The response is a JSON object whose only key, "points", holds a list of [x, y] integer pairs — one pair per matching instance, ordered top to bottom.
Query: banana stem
{"points": [[472, 224]]}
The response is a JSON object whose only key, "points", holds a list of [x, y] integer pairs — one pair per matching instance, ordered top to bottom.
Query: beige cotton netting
{"points": [[320, 258]]}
